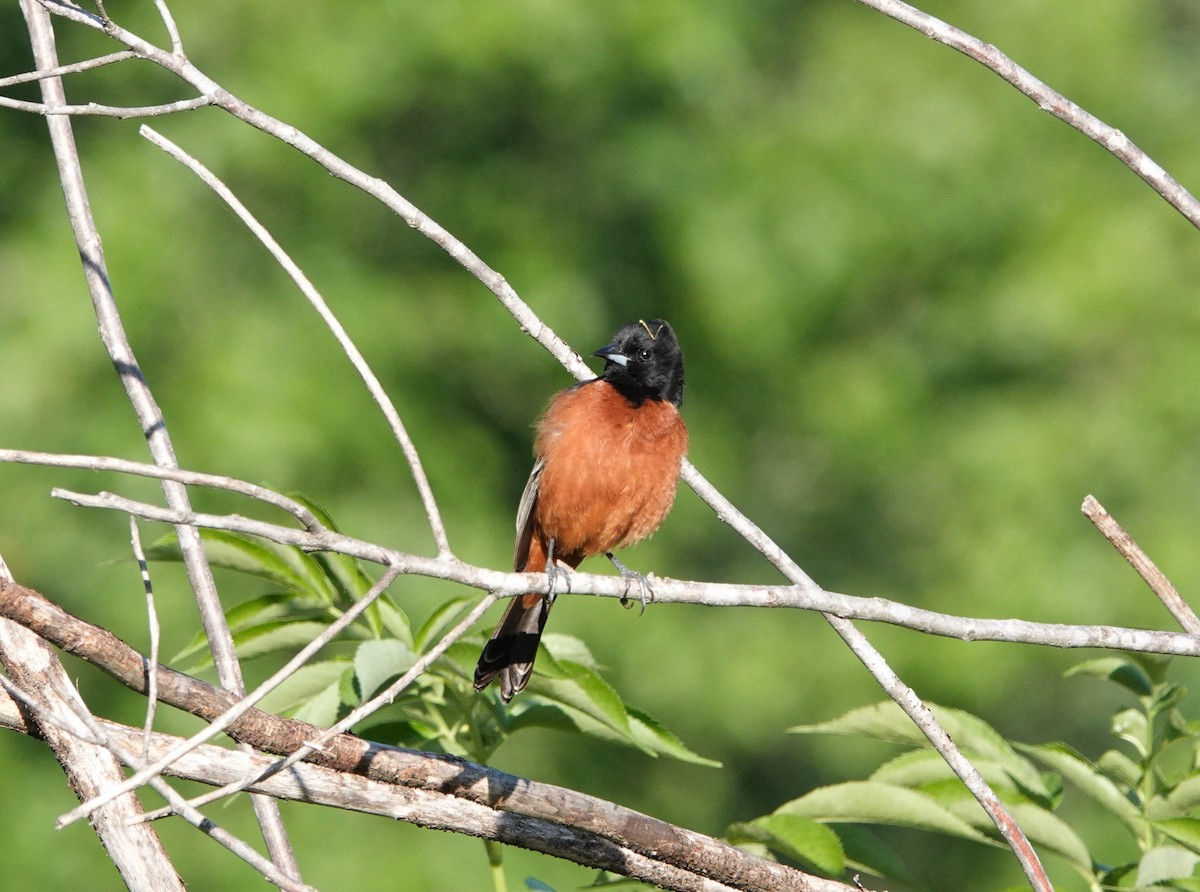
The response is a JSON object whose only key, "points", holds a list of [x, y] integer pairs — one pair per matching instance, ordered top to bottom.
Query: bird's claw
{"points": [[645, 593]]}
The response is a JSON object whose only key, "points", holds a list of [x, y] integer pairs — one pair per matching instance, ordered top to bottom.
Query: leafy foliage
{"points": [[439, 710], [1151, 787]]}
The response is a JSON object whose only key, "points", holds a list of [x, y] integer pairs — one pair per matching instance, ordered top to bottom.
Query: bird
{"points": [[608, 454]]}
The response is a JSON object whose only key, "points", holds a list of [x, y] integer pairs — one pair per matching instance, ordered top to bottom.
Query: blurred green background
{"points": [[922, 320]]}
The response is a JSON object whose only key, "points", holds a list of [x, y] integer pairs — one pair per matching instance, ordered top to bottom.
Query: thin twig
{"points": [[168, 21], [72, 68], [95, 109], [314, 297], [190, 478], [139, 555], [1140, 561], [383, 698], [221, 723]]}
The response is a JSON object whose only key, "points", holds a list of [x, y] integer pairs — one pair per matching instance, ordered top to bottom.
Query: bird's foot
{"points": [[556, 572], [645, 593]]}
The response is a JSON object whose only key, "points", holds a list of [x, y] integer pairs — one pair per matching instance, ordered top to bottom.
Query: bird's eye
{"points": [[644, 354]]}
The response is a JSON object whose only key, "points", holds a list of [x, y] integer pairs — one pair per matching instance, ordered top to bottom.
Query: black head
{"points": [[644, 362]]}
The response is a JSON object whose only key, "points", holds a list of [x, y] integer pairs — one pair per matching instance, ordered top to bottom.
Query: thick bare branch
{"points": [[32, 667], [423, 788]]}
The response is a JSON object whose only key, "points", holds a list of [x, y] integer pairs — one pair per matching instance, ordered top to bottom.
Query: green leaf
{"points": [[284, 566], [443, 618], [395, 621], [270, 637], [568, 647], [378, 661], [1122, 670], [304, 684], [580, 688], [323, 708], [546, 710], [1130, 725], [974, 736], [1115, 764], [918, 768], [1090, 781], [1184, 798], [875, 803], [1045, 830], [1182, 830], [800, 839], [867, 850], [1165, 863]]}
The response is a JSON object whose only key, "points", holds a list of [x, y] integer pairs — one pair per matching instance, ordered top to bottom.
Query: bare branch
{"points": [[172, 29], [72, 68], [1048, 100], [107, 111], [314, 297], [153, 425], [190, 478], [135, 541], [1140, 561], [804, 596], [223, 721], [431, 790]]}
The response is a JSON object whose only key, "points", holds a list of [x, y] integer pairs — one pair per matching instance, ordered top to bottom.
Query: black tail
{"points": [[510, 652]]}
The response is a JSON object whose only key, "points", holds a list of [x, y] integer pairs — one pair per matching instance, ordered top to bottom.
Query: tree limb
{"points": [[431, 790]]}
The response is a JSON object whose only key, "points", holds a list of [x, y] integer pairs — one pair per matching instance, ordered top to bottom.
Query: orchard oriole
{"points": [[608, 456]]}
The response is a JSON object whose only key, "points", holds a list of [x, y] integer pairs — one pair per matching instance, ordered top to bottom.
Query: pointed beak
{"points": [[611, 353]]}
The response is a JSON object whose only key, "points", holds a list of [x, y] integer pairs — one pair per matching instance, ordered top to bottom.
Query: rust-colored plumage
{"points": [[608, 454]]}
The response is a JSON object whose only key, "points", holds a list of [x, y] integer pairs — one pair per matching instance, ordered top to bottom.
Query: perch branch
{"points": [[804, 596]]}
